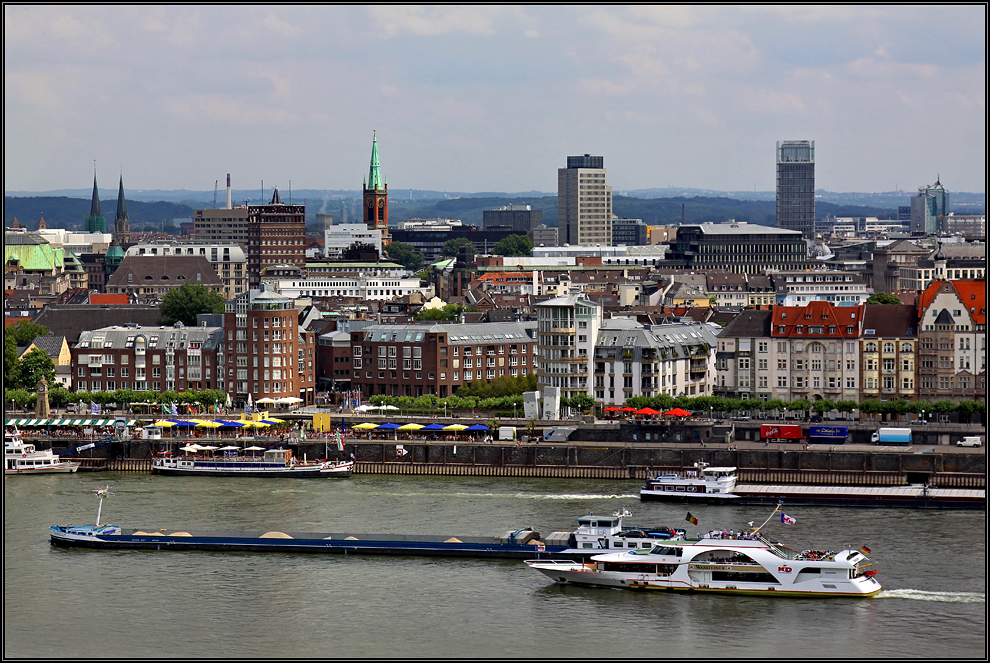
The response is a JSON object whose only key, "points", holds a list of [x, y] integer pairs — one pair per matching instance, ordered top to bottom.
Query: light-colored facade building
{"points": [[584, 202], [336, 239], [77, 242], [228, 260], [372, 288], [799, 288], [567, 332], [953, 341], [889, 352], [632, 359]]}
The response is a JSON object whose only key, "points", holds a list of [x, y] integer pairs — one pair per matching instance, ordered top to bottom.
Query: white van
{"points": [[970, 441]]}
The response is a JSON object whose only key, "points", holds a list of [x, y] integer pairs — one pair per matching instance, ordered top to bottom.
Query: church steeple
{"points": [[376, 196], [94, 207], [95, 222], [122, 224]]}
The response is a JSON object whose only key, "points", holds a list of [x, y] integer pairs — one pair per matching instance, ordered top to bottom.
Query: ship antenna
{"points": [[102, 493]]}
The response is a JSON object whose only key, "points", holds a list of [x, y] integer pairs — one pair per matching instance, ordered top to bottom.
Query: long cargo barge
{"points": [[115, 538]]}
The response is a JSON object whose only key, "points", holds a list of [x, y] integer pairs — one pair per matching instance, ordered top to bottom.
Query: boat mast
{"points": [[102, 493]]}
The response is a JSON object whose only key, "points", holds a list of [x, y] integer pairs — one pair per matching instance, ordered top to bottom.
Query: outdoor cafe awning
{"points": [[29, 423]]}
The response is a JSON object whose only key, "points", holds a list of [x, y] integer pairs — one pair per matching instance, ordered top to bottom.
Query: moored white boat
{"points": [[21, 457], [274, 463], [713, 485], [599, 533], [744, 563]]}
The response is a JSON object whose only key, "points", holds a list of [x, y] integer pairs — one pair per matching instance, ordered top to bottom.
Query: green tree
{"points": [[513, 245], [453, 246], [405, 255], [883, 298], [183, 304], [448, 312], [25, 332], [34, 366], [11, 367], [582, 402]]}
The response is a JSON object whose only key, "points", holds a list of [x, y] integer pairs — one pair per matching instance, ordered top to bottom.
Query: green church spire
{"points": [[375, 180]]}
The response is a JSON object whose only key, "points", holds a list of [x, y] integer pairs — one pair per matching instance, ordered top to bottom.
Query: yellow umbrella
{"points": [[274, 420], [165, 423], [208, 424], [366, 425], [410, 427], [455, 427]]}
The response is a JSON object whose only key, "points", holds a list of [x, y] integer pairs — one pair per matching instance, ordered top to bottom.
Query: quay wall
{"points": [[618, 461]]}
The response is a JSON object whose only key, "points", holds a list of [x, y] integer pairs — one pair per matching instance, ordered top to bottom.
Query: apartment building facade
{"points": [[568, 331], [952, 340], [148, 358]]}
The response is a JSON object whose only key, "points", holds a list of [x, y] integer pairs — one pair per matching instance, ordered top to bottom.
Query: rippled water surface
{"points": [[77, 603]]}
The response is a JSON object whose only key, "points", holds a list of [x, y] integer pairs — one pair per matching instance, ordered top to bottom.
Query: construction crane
{"points": [[216, 183]]}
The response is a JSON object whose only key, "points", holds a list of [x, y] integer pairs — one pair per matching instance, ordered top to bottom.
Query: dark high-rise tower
{"points": [[796, 186], [376, 197], [95, 222]]}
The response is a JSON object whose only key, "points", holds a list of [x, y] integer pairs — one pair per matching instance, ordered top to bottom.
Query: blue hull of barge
{"points": [[475, 547]]}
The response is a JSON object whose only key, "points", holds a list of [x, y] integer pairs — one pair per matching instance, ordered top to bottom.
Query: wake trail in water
{"points": [[525, 496], [943, 597]]}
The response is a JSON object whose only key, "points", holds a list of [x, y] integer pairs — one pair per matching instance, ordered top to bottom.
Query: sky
{"points": [[484, 98]]}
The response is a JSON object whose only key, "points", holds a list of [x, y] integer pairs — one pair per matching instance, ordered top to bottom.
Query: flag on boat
{"points": [[340, 441], [691, 519], [787, 520], [864, 550]]}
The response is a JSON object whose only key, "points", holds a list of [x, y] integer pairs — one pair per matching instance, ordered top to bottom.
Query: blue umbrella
{"points": [[180, 422], [230, 424], [387, 427], [432, 427], [476, 427]]}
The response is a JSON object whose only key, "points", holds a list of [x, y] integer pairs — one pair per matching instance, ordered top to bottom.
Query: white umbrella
{"points": [[288, 399], [265, 400], [229, 402], [192, 447], [208, 447], [229, 448], [254, 448]]}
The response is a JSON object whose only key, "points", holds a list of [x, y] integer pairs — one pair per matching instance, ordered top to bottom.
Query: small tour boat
{"points": [[21, 457], [274, 463], [712, 485], [740, 563]]}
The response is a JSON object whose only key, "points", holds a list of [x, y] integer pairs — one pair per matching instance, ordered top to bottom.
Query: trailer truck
{"points": [[892, 436]]}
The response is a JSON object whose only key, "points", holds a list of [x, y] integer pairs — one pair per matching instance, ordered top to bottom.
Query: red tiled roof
{"points": [[972, 294], [108, 299], [835, 321]]}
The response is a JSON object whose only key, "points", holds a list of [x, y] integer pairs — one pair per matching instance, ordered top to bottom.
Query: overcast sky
{"points": [[492, 98]]}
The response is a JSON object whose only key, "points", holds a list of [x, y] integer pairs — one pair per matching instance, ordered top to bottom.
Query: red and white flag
{"points": [[787, 520]]}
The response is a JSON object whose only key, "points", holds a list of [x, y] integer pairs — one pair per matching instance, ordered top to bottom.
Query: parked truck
{"points": [[507, 433], [828, 434], [892, 436]]}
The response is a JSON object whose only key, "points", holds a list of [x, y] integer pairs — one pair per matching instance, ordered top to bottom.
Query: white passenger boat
{"points": [[21, 457], [274, 463], [712, 485], [743, 563]]}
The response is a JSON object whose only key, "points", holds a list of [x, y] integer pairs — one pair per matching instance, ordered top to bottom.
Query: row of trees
{"points": [[407, 256], [59, 398]]}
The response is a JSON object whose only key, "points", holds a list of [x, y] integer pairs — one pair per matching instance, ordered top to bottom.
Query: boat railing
{"points": [[559, 562]]}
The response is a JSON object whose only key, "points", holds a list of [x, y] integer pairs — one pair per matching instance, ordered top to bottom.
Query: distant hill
{"points": [[69, 213]]}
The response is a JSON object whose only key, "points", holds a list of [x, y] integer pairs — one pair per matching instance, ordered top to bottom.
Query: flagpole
{"points": [[768, 519]]}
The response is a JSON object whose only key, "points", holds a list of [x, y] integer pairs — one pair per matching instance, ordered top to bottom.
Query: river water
{"points": [[79, 604]]}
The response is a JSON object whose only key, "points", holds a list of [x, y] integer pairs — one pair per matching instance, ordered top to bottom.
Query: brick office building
{"points": [[276, 236], [267, 354], [142, 358], [418, 359]]}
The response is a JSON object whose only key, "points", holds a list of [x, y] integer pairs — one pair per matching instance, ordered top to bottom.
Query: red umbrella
{"points": [[612, 409], [628, 409], [647, 410], [678, 412]]}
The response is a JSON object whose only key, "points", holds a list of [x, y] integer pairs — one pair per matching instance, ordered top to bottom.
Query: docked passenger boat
{"points": [[21, 457], [274, 463], [712, 485], [743, 563]]}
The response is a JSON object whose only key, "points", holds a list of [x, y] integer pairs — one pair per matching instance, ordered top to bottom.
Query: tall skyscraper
{"points": [[796, 186], [376, 196], [584, 202], [929, 209]]}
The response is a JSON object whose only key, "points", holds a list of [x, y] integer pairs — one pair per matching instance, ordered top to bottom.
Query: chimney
{"points": [[229, 206]]}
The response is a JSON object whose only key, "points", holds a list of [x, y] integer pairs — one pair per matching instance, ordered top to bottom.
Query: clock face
{"points": [[371, 202], [381, 203]]}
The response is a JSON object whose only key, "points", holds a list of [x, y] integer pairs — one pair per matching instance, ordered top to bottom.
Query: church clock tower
{"points": [[376, 197]]}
